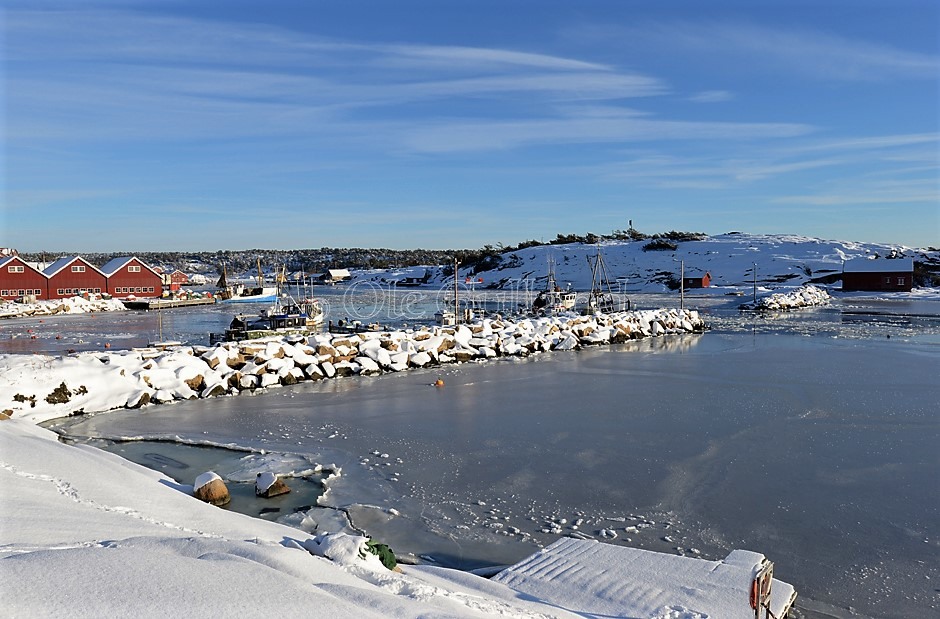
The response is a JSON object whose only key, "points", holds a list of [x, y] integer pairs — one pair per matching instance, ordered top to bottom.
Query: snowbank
{"points": [[807, 296], [73, 305], [39, 388], [88, 534]]}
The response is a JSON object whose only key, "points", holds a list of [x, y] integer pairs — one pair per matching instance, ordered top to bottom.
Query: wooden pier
{"points": [[149, 304]]}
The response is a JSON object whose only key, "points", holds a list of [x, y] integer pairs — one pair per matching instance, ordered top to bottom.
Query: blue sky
{"points": [[169, 125]]}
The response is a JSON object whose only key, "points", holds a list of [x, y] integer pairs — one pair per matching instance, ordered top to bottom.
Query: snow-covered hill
{"points": [[730, 259]]}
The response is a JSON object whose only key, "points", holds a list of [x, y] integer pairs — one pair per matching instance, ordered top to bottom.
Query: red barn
{"points": [[895, 274], [128, 275], [73, 276], [20, 279]]}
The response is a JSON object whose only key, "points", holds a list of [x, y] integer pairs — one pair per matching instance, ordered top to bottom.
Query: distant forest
{"points": [[319, 260]]}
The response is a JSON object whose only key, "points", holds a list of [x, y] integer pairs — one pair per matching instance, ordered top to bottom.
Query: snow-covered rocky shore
{"points": [[807, 296], [72, 305], [40, 388]]}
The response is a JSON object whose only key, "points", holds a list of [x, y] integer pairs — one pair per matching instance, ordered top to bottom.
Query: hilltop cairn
{"points": [[807, 296], [134, 378]]}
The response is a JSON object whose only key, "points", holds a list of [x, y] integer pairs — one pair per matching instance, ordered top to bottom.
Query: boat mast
{"points": [[456, 301]]}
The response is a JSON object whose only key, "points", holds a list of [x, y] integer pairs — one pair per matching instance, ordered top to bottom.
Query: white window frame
{"points": [[78, 268]]}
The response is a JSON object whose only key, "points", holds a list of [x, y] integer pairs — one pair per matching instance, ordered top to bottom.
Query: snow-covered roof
{"points": [[8, 259], [61, 263], [115, 264], [882, 265], [338, 273], [599, 579]]}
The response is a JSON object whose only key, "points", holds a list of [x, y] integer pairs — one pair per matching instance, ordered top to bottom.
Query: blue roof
{"points": [[115, 264], [58, 265]]}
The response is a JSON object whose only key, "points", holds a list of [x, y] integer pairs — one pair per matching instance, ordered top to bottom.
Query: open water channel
{"points": [[811, 437]]}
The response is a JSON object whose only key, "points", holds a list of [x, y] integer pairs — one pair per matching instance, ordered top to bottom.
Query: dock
{"points": [[149, 304], [606, 580]]}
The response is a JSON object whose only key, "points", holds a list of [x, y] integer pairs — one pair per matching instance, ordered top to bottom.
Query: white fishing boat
{"points": [[241, 293], [602, 297], [553, 300]]}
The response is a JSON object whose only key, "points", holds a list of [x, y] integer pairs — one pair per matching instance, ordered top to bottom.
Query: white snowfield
{"points": [[39, 388], [86, 533]]}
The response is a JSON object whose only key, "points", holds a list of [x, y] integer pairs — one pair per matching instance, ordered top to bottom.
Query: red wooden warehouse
{"points": [[895, 274], [128, 275], [74, 276], [19, 279]]}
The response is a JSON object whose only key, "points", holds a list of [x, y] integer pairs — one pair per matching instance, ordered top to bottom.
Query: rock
{"points": [[196, 383], [214, 391], [140, 399], [6, 414], [269, 485], [210, 488]]}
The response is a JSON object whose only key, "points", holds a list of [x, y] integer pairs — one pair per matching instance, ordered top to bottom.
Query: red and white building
{"points": [[128, 275], [74, 276], [19, 279], [176, 279]]}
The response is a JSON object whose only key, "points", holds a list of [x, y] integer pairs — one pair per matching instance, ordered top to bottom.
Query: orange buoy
{"points": [[107, 344], [439, 382]]}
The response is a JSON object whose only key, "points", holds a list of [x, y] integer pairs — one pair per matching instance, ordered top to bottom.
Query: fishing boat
{"points": [[240, 293], [602, 297], [553, 300], [285, 317], [290, 318]]}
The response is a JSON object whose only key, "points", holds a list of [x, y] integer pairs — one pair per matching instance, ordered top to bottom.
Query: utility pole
{"points": [[755, 281], [682, 284]]}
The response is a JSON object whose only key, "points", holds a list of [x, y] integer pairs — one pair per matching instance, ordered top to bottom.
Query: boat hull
{"points": [[265, 298]]}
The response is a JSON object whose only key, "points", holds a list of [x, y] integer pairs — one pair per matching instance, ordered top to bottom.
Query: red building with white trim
{"points": [[128, 275], [73, 276], [20, 279]]}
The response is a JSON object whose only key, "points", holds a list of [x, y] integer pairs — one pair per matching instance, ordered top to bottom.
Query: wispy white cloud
{"points": [[753, 47], [124, 75], [711, 96], [441, 137]]}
